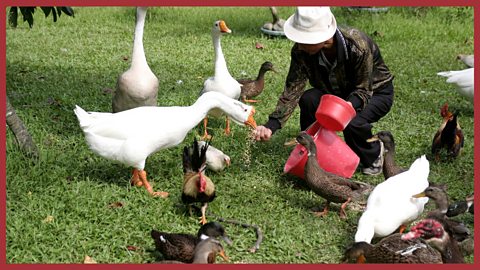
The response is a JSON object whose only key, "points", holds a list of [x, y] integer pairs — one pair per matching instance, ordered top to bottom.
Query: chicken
{"points": [[449, 135], [216, 159], [197, 187]]}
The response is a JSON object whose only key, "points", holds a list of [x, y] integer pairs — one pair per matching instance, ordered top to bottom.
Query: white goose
{"points": [[463, 79], [222, 81], [137, 86], [111, 135], [391, 205]]}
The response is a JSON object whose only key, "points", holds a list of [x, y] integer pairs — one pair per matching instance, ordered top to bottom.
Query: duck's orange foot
{"points": [[251, 100], [206, 137], [135, 180], [162, 194], [320, 214], [203, 220]]}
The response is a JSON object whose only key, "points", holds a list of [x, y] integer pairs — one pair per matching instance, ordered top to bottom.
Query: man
{"points": [[340, 61]]}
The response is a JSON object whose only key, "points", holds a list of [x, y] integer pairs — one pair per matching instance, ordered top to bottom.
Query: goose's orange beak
{"points": [[224, 28], [251, 121]]}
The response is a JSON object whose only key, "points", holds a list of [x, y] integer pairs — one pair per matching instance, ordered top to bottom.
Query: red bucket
{"points": [[334, 113], [333, 154]]}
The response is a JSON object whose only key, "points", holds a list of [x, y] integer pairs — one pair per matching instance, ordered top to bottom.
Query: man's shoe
{"points": [[377, 166]]}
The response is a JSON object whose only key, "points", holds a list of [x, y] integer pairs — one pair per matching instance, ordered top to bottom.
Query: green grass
{"points": [[54, 66]]}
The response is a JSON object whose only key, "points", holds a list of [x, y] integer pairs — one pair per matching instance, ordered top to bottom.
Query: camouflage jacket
{"points": [[356, 74]]}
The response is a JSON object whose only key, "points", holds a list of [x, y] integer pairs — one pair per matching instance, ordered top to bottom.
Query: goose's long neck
{"points": [[138, 55], [220, 63], [207, 102]]}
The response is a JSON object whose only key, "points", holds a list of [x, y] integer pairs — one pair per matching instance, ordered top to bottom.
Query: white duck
{"points": [[463, 80], [222, 81], [137, 86], [111, 135], [216, 159], [390, 204]]}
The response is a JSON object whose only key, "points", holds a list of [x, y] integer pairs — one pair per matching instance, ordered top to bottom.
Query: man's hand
{"points": [[262, 133]]}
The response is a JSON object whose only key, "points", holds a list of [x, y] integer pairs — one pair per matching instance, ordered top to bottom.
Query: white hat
{"points": [[310, 25]]}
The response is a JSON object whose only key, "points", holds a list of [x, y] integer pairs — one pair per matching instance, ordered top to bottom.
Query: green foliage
{"points": [[27, 13], [54, 66]]}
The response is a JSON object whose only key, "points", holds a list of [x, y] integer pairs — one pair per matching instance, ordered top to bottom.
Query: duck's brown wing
{"points": [[178, 247], [393, 249]]}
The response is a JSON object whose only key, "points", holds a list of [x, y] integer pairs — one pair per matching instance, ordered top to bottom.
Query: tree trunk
{"points": [[21, 133]]}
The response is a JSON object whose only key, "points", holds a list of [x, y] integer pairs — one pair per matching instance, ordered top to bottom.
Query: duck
{"points": [[277, 23], [467, 59], [463, 79], [222, 81], [137, 86], [253, 87], [449, 135], [130, 137], [216, 159], [390, 168], [327, 185], [197, 187], [437, 193], [390, 205], [460, 207], [435, 234], [181, 246], [392, 249], [203, 252]]}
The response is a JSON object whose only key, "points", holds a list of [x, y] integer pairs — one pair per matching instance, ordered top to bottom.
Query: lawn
{"points": [[59, 208]]}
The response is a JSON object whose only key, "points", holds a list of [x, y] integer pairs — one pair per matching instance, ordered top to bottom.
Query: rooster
{"points": [[449, 135], [197, 187]]}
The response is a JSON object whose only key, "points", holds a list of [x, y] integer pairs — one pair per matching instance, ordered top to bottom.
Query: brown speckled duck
{"points": [[252, 88], [390, 168], [332, 187], [436, 235], [181, 246], [392, 249], [204, 251]]}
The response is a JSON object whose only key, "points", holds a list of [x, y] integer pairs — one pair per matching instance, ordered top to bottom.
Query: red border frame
{"points": [[4, 4]]}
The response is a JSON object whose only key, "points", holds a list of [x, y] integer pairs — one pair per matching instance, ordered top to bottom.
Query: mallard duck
{"points": [[467, 59], [463, 79], [222, 81], [137, 86], [253, 87], [449, 135], [129, 137], [216, 159], [390, 168], [328, 185], [197, 187], [437, 193], [390, 205], [460, 207], [435, 234], [181, 246], [392, 249], [203, 252]]}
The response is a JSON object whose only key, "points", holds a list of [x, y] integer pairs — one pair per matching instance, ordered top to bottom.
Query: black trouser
{"points": [[360, 128]]}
